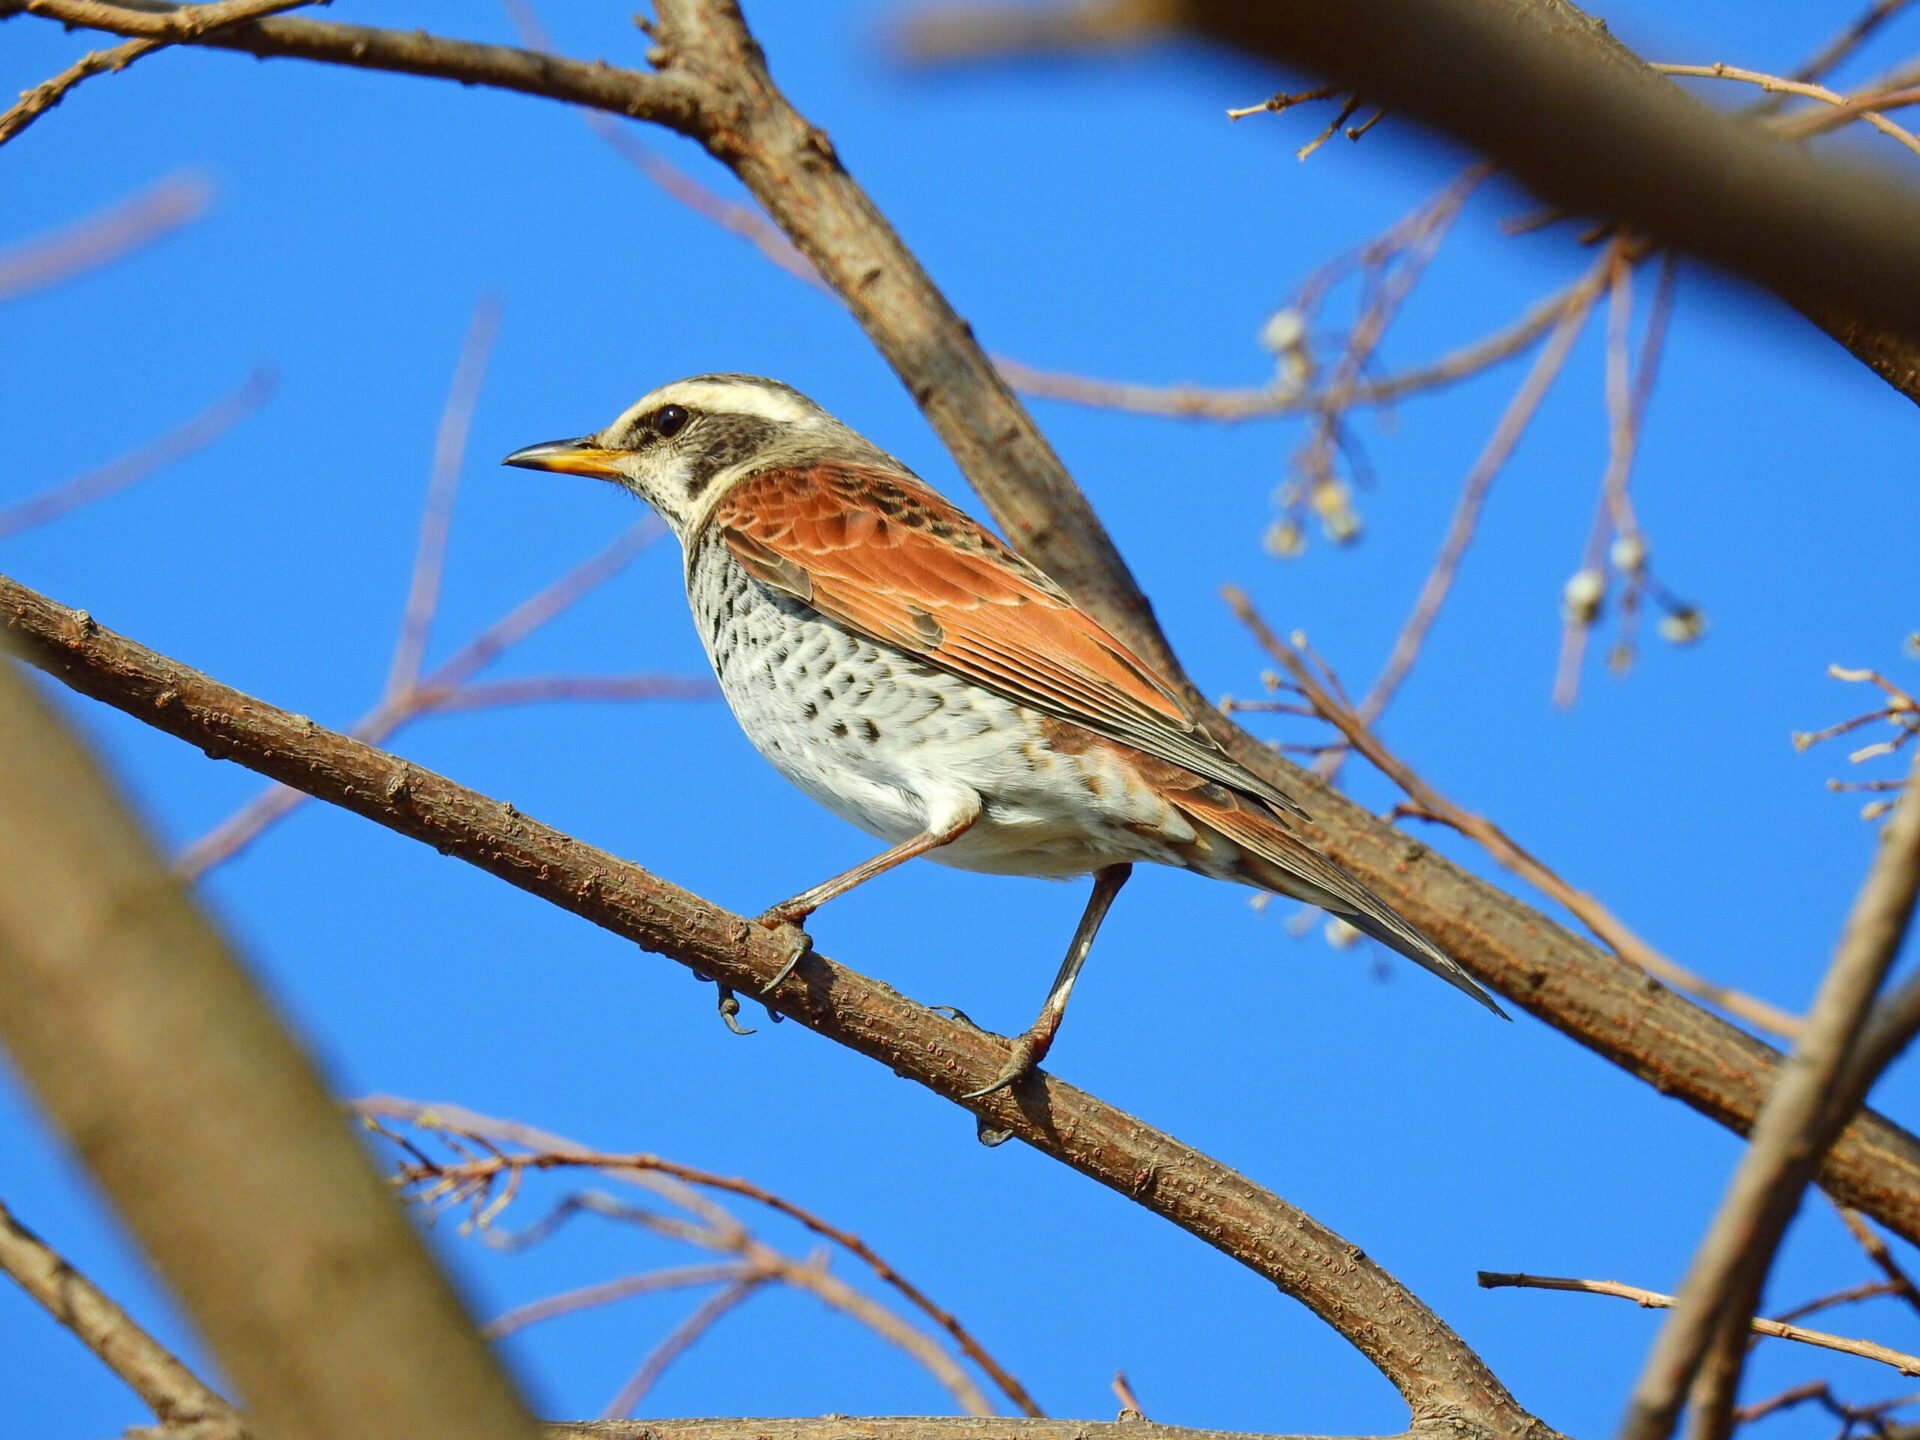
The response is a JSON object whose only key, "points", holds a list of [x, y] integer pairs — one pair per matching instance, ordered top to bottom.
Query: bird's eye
{"points": [[670, 420]]}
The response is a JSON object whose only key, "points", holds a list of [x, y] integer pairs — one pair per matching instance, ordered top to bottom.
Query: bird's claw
{"points": [[803, 943], [729, 1008], [954, 1012], [1027, 1052], [989, 1135]]}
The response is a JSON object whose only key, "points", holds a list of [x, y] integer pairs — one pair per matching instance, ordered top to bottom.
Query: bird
{"points": [[907, 669]]}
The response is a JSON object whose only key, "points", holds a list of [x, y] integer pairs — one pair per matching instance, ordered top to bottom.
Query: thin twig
{"points": [[192, 22], [1838, 50], [1862, 107], [742, 220], [100, 239], [1194, 402], [136, 465], [443, 484], [1473, 494], [445, 689], [1432, 805], [1789, 1136], [549, 1151], [1881, 1254], [607, 1292], [1834, 1299], [1654, 1300], [684, 1335], [173, 1392]]}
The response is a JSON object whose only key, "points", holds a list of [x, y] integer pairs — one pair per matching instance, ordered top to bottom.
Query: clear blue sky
{"points": [[1101, 217]]}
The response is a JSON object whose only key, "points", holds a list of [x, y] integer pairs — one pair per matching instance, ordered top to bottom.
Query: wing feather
{"points": [[891, 558]]}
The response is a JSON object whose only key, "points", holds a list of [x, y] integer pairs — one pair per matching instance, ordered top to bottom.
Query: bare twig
{"points": [[188, 22], [1838, 50], [1275, 104], [1858, 107], [177, 200], [741, 220], [1629, 389], [1193, 402], [196, 434], [1473, 494], [436, 520], [1430, 804], [1792, 1131], [545, 1151], [1880, 1254], [607, 1292], [1833, 1299], [1654, 1300], [684, 1336], [173, 1392], [1129, 1402]]}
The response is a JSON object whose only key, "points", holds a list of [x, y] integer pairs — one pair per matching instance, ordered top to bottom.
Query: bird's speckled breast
{"points": [[882, 738]]}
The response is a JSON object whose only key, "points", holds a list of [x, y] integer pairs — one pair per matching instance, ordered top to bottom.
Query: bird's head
{"points": [[685, 445]]}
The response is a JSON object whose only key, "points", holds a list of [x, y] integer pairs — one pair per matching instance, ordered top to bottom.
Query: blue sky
{"points": [[1100, 217]]}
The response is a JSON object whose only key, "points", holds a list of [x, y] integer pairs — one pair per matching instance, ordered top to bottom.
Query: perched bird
{"points": [[904, 667]]}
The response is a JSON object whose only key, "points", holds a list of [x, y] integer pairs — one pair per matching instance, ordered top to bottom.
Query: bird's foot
{"points": [[781, 919], [729, 1009], [1028, 1051]]}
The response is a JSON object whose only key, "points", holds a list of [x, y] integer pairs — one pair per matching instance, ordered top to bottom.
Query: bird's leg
{"points": [[795, 911], [1031, 1048]]}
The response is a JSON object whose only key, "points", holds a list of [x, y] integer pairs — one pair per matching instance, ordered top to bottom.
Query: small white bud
{"points": [[1284, 331], [1285, 540], [1628, 553], [1581, 599], [1683, 626]]}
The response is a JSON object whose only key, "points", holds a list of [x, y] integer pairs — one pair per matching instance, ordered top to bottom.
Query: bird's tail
{"points": [[1273, 858]]}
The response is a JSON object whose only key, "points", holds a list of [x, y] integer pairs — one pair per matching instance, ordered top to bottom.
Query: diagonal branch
{"points": [[100, 239], [136, 465], [1429, 804], [1723, 1283], [1432, 1367], [173, 1392]]}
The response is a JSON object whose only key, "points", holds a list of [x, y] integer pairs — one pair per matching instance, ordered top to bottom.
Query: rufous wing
{"points": [[889, 557]]}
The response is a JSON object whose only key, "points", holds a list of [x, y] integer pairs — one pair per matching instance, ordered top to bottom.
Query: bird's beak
{"points": [[571, 457]]}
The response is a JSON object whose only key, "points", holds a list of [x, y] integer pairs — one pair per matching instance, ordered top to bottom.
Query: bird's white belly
{"points": [[893, 744]]}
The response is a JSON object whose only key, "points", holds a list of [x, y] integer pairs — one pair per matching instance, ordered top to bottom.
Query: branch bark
{"points": [[1585, 122], [209, 1130], [1723, 1284], [1431, 1366], [173, 1392]]}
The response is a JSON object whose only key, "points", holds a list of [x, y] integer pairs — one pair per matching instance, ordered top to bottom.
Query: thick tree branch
{"points": [[1586, 123], [209, 1130], [1431, 1366]]}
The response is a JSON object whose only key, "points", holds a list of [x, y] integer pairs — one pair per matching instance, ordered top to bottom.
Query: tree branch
{"points": [[1586, 123], [152, 1052], [1723, 1284], [1431, 1366], [173, 1392]]}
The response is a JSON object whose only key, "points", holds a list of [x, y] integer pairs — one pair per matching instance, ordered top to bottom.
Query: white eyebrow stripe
{"points": [[717, 397]]}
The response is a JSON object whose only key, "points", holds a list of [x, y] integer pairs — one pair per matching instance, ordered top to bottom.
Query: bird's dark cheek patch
{"points": [[724, 441]]}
